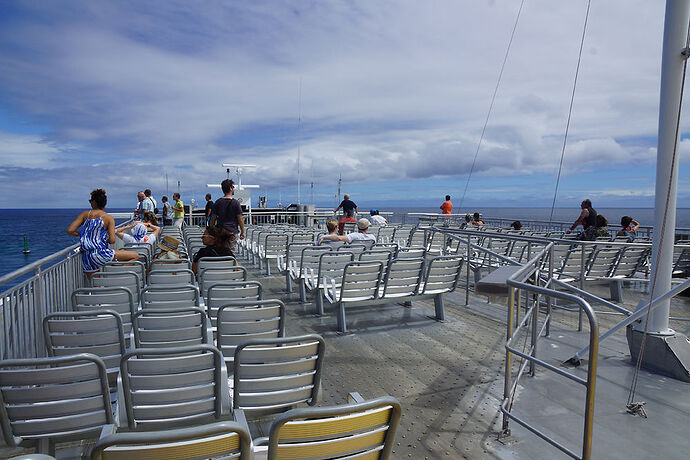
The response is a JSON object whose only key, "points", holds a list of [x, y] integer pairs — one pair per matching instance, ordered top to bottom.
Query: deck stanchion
{"points": [[505, 430]]}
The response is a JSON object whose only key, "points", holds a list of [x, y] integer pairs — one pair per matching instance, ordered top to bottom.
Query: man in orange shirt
{"points": [[447, 206]]}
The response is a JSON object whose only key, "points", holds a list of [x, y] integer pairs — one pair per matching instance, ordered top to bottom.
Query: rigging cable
{"points": [[493, 98], [570, 110], [637, 408]]}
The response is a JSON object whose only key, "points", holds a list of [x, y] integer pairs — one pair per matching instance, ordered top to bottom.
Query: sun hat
{"points": [[373, 211], [363, 223], [138, 231], [168, 243]]}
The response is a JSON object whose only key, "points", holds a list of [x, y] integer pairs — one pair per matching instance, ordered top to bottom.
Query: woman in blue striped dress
{"points": [[95, 229]]}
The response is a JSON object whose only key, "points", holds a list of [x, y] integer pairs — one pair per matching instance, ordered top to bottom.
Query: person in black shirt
{"points": [[347, 205], [209, 207], [227, 213], [588, 219], [216, 241]]}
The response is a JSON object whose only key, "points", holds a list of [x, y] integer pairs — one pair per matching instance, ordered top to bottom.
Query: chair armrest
{"points": [[280, 262], [309, 279], [329, 288], [354, 397], [226, 401], [120, 411], [107, 430], [262, 441]]}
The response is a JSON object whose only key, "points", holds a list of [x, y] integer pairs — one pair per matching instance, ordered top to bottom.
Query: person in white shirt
{"points": [[376, 219], [362, 225], [138, 233]]}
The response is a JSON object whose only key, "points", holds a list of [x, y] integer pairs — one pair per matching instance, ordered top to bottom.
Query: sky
{"points": [[390, 95]]}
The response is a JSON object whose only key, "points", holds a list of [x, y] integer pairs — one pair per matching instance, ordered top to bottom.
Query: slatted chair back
{"points": [[349, 227], [385, 234], [402, 235], [417, 237], [307, 238], [436, 242], [274, 246], [499, 246], [394, 247], [354, 248], [144, 250], [411, 252], [292, 253], [381, 254], [310, 257], [632, 260], [681, 261], [215, 262], [603, 262], [170, 263], [331, 264], [134, 266], [571, 266], [442, 274], [210, 276], [171, 277], [403, 277], [126, 279], [361, 280], [220, 294], [165, 297], [118, 299], [240, 321], [166, 328], [98, 332], [271, 375], [169, 387], [53, 399], [360, 430], [213, 440]]}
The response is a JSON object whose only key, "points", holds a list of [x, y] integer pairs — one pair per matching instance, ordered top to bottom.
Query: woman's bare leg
{"points": [[126, 256]]}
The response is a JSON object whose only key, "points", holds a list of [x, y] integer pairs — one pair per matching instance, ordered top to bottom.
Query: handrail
{"points": [[37, 264]]}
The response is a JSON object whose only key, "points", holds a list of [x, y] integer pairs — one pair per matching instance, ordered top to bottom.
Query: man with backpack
{"points": [[227, 213]]}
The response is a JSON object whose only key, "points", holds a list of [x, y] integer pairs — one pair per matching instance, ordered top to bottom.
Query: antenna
{"points": [[299, 136], [238, 170], [340, 183], [167, 189]]}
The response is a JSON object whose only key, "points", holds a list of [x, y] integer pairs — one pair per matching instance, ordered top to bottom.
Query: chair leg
{"points": [[268, 267], [288, 282], [616, 288], [302, 291], [319, 302], [438, 305], [342, 327]]}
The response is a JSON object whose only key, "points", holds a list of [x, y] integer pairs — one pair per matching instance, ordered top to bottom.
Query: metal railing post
{"points": [[467, 275], [582, 283], [549, 301], [39, 311], [507, 382]]}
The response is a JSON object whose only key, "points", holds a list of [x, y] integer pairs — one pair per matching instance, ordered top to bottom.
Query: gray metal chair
{"points": [[210, 275], [171, 276], [127, 279], [220, 294], [166, 297], [118, 299], [243, 320], [166, 328], [98, 332], [272, 375], [172, 387], [44, 401], [363, 429], [214, 440]]}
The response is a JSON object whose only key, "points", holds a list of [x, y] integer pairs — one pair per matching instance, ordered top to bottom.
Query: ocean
{"points": [[45, 228]]}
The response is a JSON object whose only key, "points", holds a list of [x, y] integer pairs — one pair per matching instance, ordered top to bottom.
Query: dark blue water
{"points": [[45, 228]]}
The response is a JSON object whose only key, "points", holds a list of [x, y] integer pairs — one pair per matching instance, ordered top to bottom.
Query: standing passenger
{"points": [[347, 205], [447, 206], [209, 208], [139, 210], [179, 211], [167, 212], [227, 214], [588, 219]]}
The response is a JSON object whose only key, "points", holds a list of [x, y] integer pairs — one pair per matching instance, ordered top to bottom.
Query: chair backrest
{"points": [[349, 227], [385, 234], [402, 235], [417, 237], [302, 238], [436, 242], [275, 244], [144, 250], [411, 252], [384, 255], [310, 258], [631, 261], [215, 262], [603, 262], [170, 264], [332, 264], [134, 266], [211, 275], [442, 275], [171, 276], [403, 277], [127, 279], [361, 280], [220, 294], [166, 297], [118, 299], [243, 320], [165, 328], [98, 332], [273, 374], [166, 387], [53, 398], [361, 430], [214, 440]]}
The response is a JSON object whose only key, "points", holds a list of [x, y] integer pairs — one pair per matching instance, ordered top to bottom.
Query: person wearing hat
{"points": [[376, 219], [362, 225], [138, 233], [168, 246]]}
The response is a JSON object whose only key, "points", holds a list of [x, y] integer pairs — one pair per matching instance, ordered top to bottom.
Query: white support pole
{"points": [[675, 33]]}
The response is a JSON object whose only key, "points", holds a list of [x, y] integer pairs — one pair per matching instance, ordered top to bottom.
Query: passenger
{"points": [[149, 204], [347, 205], [447, 206], [209, 208], [138, 210], [179, 211], [167, 212], [227, 214], [150, 218], [348, 218], [377, 219], [588, 219], [476, 220], [468, 221], [362, 225], [516, 225], [332, 226], [602, 227], [630, 227], [95, 229], [138, 232], [216, 244], [168, 246]]}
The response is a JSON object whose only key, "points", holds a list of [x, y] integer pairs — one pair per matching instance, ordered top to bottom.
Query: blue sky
{"points": [[393, 97]]}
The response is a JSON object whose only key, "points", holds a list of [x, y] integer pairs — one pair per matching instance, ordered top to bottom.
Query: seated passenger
{"points": [[349, 217], [376, 219], [468, 220], [476, 220], [362, 225], [516, 225], [332, 226], [602, 226], [630, 227], [138, 233], [216, 241], [168, 246]]}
